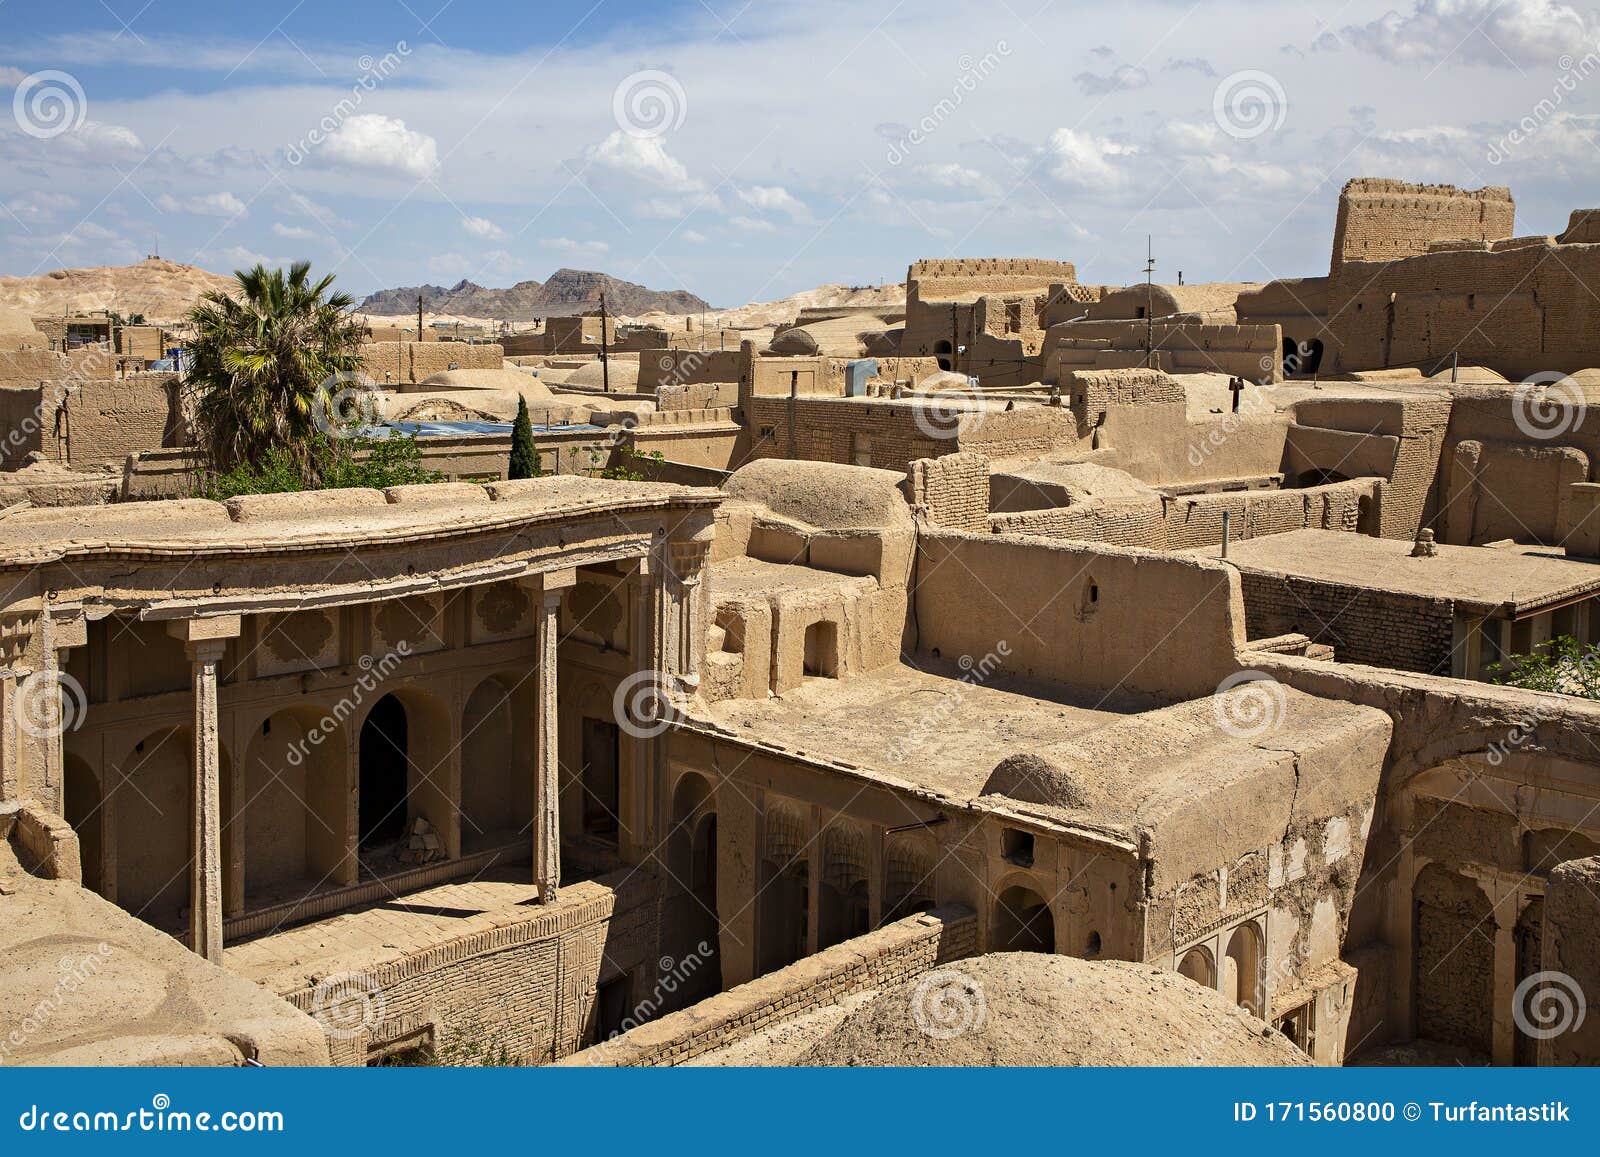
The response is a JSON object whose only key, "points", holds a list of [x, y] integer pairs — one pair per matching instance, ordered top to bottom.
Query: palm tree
{"points": [[262, 366]]}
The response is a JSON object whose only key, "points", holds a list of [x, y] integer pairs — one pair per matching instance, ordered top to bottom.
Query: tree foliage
{"points": [[265, 367], [524, 455], [1562, 664]]}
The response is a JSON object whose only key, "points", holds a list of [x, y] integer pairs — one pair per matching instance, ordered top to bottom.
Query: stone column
{"points": [[686, 626], [14, 635], [205, 641], [644, 649], [547, 736]]}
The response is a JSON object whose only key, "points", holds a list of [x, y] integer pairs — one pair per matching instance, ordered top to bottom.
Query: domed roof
{"points": [[827, 495], [1031, 779], [1030, 1008]]}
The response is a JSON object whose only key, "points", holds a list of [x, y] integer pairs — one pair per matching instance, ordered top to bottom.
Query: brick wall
{"points": [[411, 361], [953, 490], [1381, 628], [893, 953], [525, 991]]}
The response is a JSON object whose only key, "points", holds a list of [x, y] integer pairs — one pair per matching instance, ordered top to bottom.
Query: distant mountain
{"points": [[161, 290], [569, 291]]}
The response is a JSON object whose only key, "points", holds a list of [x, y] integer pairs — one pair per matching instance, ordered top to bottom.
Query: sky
{"points": [[748, 150]]}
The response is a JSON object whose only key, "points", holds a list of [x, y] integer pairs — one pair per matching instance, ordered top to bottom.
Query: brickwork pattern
{"points": [[415, 361], [953, 491], [1380, 628], [888, 956]]}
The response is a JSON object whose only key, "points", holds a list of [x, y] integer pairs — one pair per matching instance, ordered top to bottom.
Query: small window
{"points": [[768, 432], [861, 449], [1017, 847], [1092, 948], [611, 1006]]}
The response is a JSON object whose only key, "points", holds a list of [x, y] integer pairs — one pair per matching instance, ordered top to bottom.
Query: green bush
{"points": [[341, 462]]}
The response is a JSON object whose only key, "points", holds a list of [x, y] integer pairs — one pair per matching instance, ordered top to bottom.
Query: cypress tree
{"points": [[524, 458]]}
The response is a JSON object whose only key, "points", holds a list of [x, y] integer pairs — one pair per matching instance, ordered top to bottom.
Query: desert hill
{"points": [[568, 291]]}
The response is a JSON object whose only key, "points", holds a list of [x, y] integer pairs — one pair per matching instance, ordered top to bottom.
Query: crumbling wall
{"points": [[1386, 220], [663, 368], [952, 491], [1383, 628], [1572, 947], [895, 952], [1454, 970]]}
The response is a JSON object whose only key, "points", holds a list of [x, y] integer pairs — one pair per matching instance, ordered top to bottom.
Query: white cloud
{"points": [[1497, 33], [1190, 64], [11, 76], [1122, 79], [372, 141], [645, 159], [1081, 159], [960, 177], [774, 199], [223, 204], [40, 205], [751, 224], [484, 228], [292, 232], [693, 237], [568, 245]]}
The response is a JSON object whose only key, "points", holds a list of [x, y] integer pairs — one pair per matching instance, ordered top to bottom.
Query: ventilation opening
{"points": [[1017, 847], [1091, 948], [611, 1006]]}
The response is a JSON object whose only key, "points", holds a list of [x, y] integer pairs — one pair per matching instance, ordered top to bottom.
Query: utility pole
{"points": [[1149, 302], [419, 317], [955, 340], [605, 358]]}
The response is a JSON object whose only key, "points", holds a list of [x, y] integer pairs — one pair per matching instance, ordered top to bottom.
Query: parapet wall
{"points": [[1384, 220], [960, 277], [1250, 351], [411, 361], [952, 491], [1092, 618], [894, 953]]}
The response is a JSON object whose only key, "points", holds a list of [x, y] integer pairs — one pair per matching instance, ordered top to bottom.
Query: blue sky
{"points": [[749, 150]]}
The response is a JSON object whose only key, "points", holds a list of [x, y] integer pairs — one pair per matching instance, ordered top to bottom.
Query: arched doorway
{"points": [[943, 350], [1301, 357], [496, 766], [384, 774], [85, 811], [154, 817], [293, 817], [692, 864], [783, 889], [844, 901], [1022, 922], [1454, 928], [1198, 967], [1243, 981]]}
